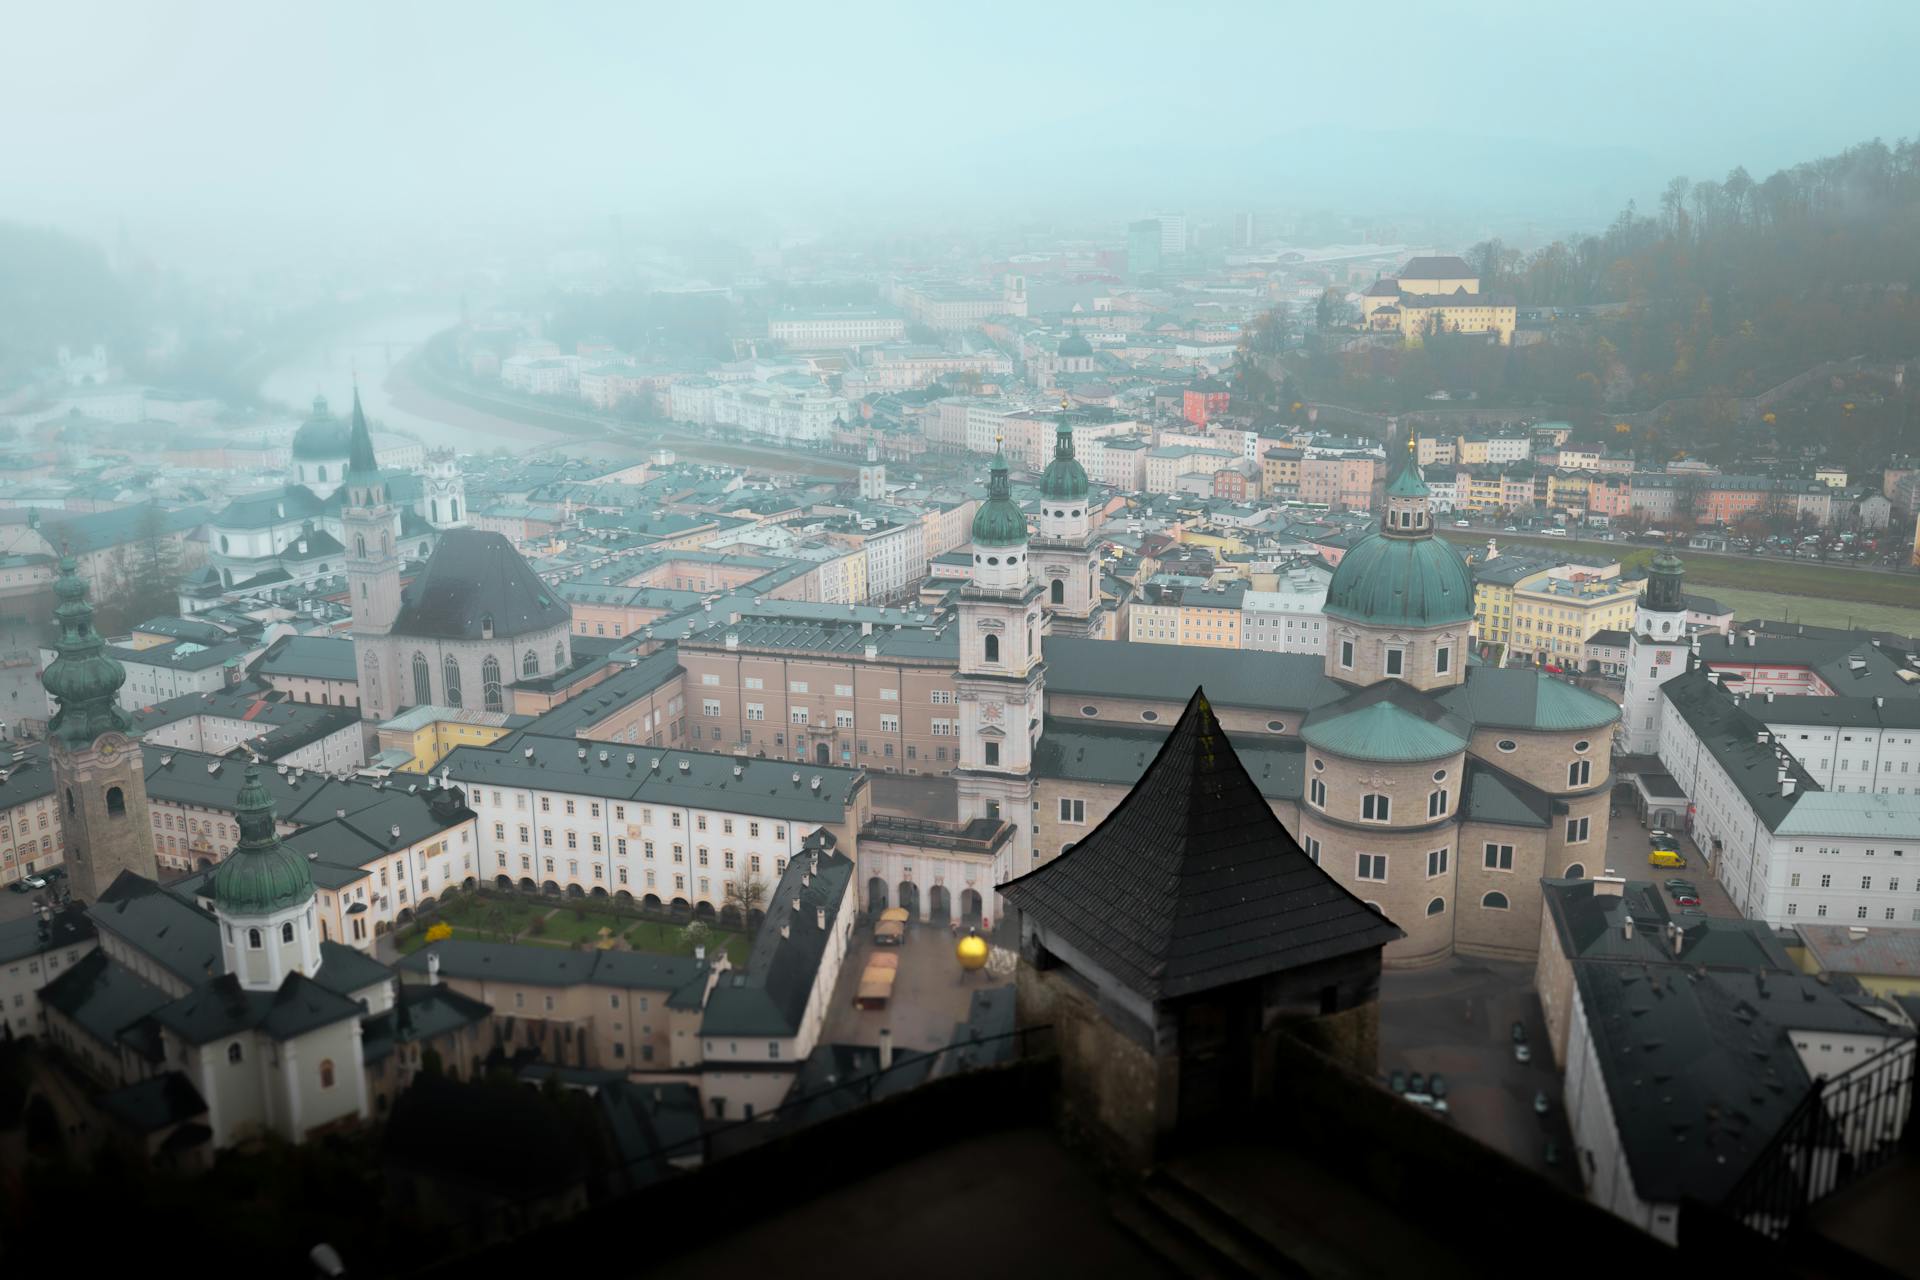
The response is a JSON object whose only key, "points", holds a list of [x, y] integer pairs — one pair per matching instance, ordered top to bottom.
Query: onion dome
{"points": [[322, 437], [1064, 477], [999, 522], [1665, 576], [82, 676], [261, 876]]}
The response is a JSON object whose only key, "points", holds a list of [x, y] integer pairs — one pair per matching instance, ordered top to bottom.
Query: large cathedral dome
{"points": [[323, 437], [1407, 582]]}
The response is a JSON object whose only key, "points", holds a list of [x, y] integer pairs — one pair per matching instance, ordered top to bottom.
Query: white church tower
{"points": [[873, 475], [445, 499], [1069, 566], [1656, 654], [1001, 683], [263, 896]]}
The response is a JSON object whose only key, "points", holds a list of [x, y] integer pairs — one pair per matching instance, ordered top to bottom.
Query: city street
{"points": [[1629, 841], [1457, 1018]]}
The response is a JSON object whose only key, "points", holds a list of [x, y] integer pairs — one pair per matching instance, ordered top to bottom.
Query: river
{"points": [[376, 351]]}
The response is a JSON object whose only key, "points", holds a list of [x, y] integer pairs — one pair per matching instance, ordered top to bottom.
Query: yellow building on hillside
{"points": [[1555, 610], [417, 740]]}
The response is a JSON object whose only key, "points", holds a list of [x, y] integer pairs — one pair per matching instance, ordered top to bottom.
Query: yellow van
{"points": [[1665, 858]]}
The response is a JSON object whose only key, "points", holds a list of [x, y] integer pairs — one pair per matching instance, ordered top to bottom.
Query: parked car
{"points": [[1463, 524], [1511, 529], [54, 873], [33, 881], [1679, 882], [19, 886], [1683, 886], [1687, 900], [1692, 911], [1519, 1032], [1521, 1053], [1397, 1081], [1417, 1085], [1437, 1089], [1540, 1103]]}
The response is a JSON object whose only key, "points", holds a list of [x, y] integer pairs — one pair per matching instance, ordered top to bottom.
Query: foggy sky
{"points": [[429, 115]]}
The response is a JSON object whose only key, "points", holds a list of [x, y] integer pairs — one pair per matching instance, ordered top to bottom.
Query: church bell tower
{"points": [[368, 526], [1657, 652], [99, 776]]}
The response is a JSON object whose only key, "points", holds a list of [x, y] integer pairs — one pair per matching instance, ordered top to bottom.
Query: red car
{"points": [[1688, 902]]}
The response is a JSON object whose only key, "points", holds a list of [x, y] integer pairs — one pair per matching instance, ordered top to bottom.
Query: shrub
{"points": [[538, 927], [439, 931]]}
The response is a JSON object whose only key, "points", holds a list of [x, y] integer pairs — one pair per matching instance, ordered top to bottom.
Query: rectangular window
{"points": [[1346, 654], [1442, 660], [1396, 662], [755, 682], [797, 686], [710, 707], [993, 753], [1579, 773], [1318, 793], [1437, 803], [1375, 808], [1073, 810], [1577, 830], [1312, 846], [1500, 857], [1436, 863], [1372, 866]]}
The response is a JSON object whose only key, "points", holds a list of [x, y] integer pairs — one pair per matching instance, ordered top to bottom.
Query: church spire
{"points": [[360, 459], [1409, 503], [83, 676]]}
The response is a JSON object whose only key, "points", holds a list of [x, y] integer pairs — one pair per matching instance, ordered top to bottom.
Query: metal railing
{"points": [[1847, 1126]]}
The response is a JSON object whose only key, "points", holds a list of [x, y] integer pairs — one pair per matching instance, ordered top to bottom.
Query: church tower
{"points": [[873, 475], [445, 500], [368, 521], [1069, 567], [1656, 652], [1001, 680], [99, 776], [263, 895]]}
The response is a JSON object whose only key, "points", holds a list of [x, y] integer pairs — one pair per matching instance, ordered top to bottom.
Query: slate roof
{"points": [[1442, 267], [474, 575], [310, 657], [1238, 677], [1517, 698], [1732, 735], [1091, 751], [1494, 795], [1871, 815], [1191, 883], [1591, 926], [173, 933], [25, 937], [1892, 953], [539, 966], [345, 971], [102, 997], [770, 998], [223, 1008], [419, 1013], [150, 1105]]}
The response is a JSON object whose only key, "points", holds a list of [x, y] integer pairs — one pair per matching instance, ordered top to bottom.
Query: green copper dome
{"points": [[1064, 480], [999, 522], [1403, 582], [83, 677], [261, 875]]}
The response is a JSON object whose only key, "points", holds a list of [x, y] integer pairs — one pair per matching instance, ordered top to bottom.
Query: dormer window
{"points": [[486, 626]]}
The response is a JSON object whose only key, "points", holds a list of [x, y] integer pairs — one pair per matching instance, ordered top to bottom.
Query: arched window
{"points": [[323, 473], [453, 509], [223, 542], [386, 543], [360, 545], [1059, 591], [486, 626], [993, 648], [559, 655], [530, 664], [373, 675], [450, 680], [422, 682], [490, 685], [116, 803], [1375, 807], [70, 809], [1576, 872], [1494, 902], [1437, 906], [286, 932], [253, 940], [233, 1052], [326, 1073]]}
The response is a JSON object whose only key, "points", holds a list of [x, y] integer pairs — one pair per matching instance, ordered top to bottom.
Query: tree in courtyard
{"points": [[746, 896]]}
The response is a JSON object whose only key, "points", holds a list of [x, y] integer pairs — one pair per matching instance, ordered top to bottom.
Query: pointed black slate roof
{"points": [[473, 577], [1191, 883]]}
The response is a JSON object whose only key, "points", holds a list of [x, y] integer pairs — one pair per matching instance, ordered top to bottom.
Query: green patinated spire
{"points": [[1064, 479], [1407, 481], [999, 522], [84, 677], [261, 876]]}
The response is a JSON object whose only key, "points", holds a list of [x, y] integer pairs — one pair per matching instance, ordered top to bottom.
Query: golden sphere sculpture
{"points": [[971, 952]]}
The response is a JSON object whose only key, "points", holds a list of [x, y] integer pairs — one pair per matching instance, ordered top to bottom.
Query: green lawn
{"points": [[1825, 613], [480, 912], [475, 918], [650, 935], [418, 938]]}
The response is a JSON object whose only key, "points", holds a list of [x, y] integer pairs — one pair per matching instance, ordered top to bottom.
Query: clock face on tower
{"points": [[991, 712]]}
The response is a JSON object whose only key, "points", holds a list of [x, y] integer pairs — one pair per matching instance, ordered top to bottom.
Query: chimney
{"points": [[733, 639], [1787, 784], [1609, 886], [820, 918], [1626, 928], [1856, 931], [1677, 936], [700, 953], [433, 969], [886, 1048]]}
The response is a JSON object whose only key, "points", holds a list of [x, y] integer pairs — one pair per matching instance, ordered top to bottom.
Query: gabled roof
{"points": [[475, 576], [1191, 883]]}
